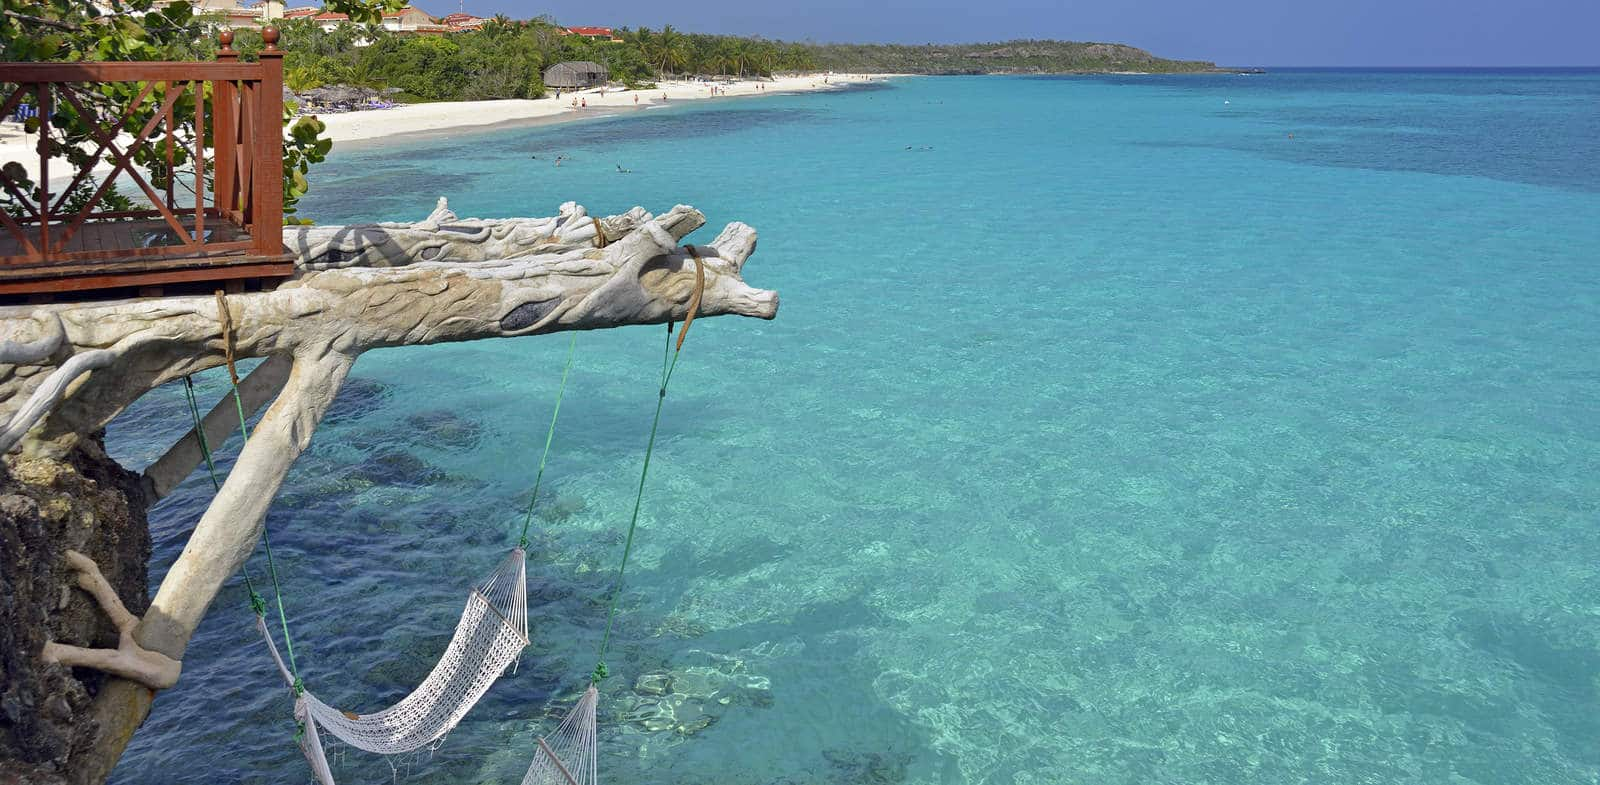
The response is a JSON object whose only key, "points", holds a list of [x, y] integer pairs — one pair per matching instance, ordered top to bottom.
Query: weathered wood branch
{"points": [[641, 278], [69, 369], [256, 390], [129, 660]]}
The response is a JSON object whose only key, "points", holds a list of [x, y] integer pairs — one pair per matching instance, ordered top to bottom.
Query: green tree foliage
{"points": [[138, 30], [507, 58]]}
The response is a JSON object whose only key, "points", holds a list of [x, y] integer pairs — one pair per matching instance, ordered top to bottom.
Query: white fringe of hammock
{"points": [[492, 632]]}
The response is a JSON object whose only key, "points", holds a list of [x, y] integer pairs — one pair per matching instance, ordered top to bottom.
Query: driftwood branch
{"points": [[543, 285], [67, 370], [257, 389], [129, 660]]}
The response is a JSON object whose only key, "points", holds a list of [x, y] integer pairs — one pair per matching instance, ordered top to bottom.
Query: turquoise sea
{"points": [[1209, 429]]}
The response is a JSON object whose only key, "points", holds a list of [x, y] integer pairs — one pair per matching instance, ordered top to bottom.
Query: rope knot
{"points": [[258, 604], [600, 672], [299, 688]]}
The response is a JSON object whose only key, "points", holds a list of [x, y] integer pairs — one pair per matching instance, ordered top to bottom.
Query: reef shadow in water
{"points": [[696, 122]]}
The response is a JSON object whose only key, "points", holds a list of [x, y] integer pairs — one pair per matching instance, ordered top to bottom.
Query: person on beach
{"points": [[635, 99], [586, 103]]}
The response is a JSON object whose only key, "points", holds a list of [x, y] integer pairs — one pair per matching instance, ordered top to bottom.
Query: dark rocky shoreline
{"points": [[91, 504]]}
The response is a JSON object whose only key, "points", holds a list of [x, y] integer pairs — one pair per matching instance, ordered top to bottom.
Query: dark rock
{"points": [[357, 398], [445, 429], [394, 467], [86, 503], [868, 768]]}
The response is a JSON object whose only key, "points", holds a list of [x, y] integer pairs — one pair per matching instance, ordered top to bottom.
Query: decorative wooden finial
{"points": [[269, 36], [226, 39]]}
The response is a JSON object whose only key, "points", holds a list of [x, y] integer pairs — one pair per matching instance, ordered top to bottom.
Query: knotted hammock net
{"points": [[491, 634], [570, 755]]}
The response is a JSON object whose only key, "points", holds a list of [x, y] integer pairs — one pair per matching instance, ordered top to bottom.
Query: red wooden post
{"points": [[42, 92], [225, 130], [199, 160], [267, 204]]}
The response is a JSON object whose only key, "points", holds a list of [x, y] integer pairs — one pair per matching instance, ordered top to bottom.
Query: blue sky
{"points": [[1233, 32]]}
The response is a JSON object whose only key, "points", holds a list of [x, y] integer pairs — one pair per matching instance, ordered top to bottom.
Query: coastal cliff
{"points": [[85, 502]]}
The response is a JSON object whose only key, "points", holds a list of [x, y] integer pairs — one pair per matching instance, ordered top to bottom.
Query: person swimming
{"points": [[621, 170]]}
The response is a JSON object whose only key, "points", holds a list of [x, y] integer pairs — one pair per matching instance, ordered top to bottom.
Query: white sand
{"points": [[570, 106], [443, 116]]}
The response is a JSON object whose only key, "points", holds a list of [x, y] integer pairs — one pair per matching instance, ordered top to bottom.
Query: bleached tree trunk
{"points": [[360, 287]]}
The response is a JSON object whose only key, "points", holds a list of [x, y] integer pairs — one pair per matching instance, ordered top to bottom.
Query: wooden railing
{"points": [[237, 112]]}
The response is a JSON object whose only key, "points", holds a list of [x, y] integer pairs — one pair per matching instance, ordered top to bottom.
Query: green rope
{"points": [[667, 368], [200, 432], [527, 520], [272, 565], [257, 603]]}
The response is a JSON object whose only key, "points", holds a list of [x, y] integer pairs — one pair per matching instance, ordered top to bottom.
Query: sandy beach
{"points": [[571, 105], [449, 115]]}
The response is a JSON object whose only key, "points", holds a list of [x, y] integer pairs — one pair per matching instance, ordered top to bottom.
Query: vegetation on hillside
{"points": [[1046, 57], [506, 58]]}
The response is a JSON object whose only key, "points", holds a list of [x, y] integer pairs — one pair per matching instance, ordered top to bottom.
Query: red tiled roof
{"points": [[296, 13], [458, 18], [606, 31]]}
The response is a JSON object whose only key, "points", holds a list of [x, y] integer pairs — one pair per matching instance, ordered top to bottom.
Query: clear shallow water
{"points": [[1116, 438]]}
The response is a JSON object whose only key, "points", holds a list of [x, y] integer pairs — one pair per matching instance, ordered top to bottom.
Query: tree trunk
{"points": [[73, 367]]}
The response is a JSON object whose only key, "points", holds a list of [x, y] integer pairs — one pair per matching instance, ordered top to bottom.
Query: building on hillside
{"points": [[302, 12], [233, 13], [412, 20], [406, 21], [460, 23], [596, 33], [576, 74]]}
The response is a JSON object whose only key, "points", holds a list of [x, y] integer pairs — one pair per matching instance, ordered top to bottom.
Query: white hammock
{"points": [[492, 632], [569, 756]]}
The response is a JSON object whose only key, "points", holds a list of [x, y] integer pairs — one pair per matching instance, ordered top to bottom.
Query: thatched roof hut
{"points": [[575, 74], [339, 95]]}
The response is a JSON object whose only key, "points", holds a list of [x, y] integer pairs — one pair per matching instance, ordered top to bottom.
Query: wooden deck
{"points": [[219, 123], [117, 263]]}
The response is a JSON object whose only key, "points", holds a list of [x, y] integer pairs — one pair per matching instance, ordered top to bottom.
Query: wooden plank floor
{"points": [[143, 233], [181, 265]]}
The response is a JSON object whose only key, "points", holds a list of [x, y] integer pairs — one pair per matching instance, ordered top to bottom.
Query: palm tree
{"points": [[672, 51]]}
